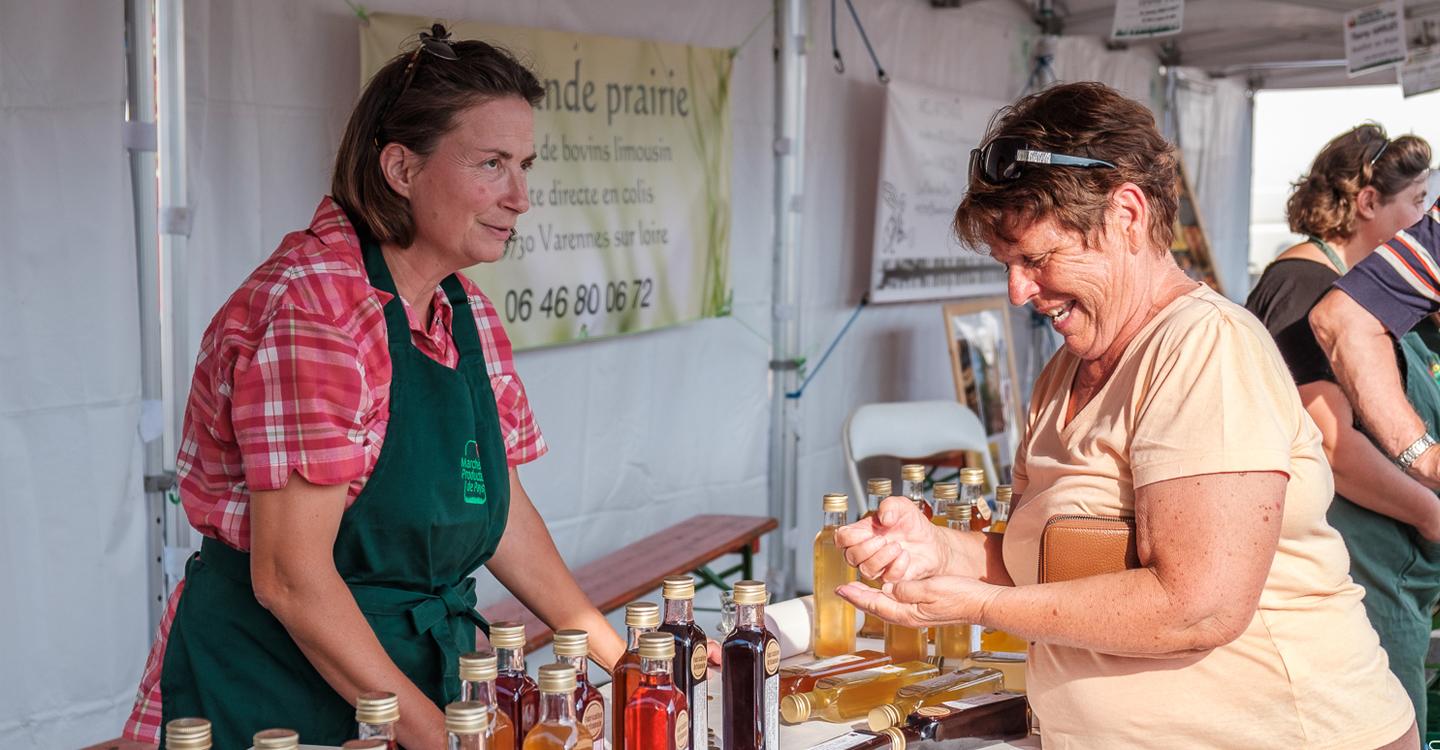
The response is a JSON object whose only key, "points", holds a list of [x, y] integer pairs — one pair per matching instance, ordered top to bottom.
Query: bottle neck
{"points": [[915, 490], [972, 494], [873, 502], [835, 518], [960, 524], [679, 611], [750, 616], [634, 636], [510, 659], [581, 665], [656, 668], [480, 691], [557, 708]]}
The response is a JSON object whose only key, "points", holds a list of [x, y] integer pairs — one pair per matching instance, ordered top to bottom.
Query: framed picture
{"points": [[982, 361]]}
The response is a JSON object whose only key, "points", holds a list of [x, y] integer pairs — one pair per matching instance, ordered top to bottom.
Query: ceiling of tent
{"points": [[1271, 43]]}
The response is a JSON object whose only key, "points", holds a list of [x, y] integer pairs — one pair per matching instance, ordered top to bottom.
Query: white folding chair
{"points": [[911, 430]]}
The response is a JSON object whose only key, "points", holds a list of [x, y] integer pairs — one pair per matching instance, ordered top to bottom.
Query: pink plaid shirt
{"points": [[293, 375]]}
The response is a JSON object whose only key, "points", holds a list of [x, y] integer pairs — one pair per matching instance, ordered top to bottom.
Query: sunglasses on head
{"points": [[436, 43], [1003, 160]]}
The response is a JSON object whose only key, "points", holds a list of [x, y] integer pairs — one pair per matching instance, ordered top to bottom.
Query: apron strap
{"points": [[1329, 253], [462, 323], [397, 324]]}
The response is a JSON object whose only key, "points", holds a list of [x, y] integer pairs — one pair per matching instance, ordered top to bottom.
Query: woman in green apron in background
{"points": [[1362, 189], [353, 430]]}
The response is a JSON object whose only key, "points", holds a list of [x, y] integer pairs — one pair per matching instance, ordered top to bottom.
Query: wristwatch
{"points": [[1409, 456]]}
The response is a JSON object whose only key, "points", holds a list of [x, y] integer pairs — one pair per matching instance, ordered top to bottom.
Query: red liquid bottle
{"points": [[640, 618], [573, 647], [691, 668], [478, 671], [750, 672], [516, 694], [656, 718]]}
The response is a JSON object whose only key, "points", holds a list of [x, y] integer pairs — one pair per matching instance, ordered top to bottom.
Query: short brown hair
{"points": [[426, 111], [1081, 119], [1322, 203]]}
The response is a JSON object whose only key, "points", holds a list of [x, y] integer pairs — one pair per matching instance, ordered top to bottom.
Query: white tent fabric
{"points": [[1214, 119], [72, 514]]}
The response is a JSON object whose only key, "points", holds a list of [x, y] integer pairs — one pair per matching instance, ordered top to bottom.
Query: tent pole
{"points": [[791, 39]]}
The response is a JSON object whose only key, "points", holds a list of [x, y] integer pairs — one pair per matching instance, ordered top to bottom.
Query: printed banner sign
{"points": [[1144, 19], [1374, 37], [1421, 71], [924, 170], [629, 221]]}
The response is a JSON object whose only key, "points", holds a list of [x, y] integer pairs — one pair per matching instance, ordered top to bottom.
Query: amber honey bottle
{"points": [[912, 477], [876, 489], [946, 494], [1001, 518], [640, 618], [833, 629], [952, 642], [904, 643], [572, 647], [691, 668], [478, 671], [750, 671], [799, 678], [938, 689], [516, 694], [850, 696], [377, 713], [657, 716], [466, 723], [556, 728], [187, 734], [276, 739]]}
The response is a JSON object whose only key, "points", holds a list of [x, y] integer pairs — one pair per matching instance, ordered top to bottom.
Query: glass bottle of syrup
{"points": [[912, 477], [876, 489], [972, 493], [946, 494], [1003, 495], [640, 618], [833, 629], [992, 640], [952, 642], [904, 643], [573, 647], [750, 668], [691, 670], [478, 671], [799, 678], [946, 687], [516, 693], [850, 696], [377, 713], [657, 716], [992, 716], [466, 722], [556, 729], [187, 734], [276, 739], [364, 745]]}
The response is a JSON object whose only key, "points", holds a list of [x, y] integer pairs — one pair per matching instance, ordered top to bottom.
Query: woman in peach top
{"points": [[1167, 404]]}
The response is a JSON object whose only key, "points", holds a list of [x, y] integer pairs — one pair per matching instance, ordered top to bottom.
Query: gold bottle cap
{"points": [[912, 472], [972, 476], [878, 487], [946, 490], [1003, 493], [836, 502], [958, 512], [678, 587], [749, 592], [642, 615], [507, 634], [572, 642], [657, 646], [479, 666], [557, 678], [377, 708], [795, 708], [466, 717], [883, 717], [187, 734], [897, 738], [277, 739], [374, 743]]}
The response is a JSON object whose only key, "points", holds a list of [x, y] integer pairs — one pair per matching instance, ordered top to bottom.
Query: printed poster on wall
{"points": [[1146, 19], [1374, 37], [1421, 71], [924, 163], [629, 221]]}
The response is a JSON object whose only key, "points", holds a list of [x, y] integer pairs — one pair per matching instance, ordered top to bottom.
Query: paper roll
{"points": [[791, 622]]}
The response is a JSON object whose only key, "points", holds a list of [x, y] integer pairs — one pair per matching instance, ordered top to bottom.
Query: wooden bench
{"points": [[628, 573]]}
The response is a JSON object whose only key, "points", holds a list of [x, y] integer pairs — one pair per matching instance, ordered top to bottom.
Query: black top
{"points": [[1282, 300]]}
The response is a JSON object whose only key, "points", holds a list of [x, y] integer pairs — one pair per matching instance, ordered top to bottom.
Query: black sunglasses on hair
{"points": [[436, 42], [1383, 145], [1003, 160]]}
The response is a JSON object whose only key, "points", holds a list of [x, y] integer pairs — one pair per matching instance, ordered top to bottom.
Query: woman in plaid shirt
{"points": [[353, 432]]}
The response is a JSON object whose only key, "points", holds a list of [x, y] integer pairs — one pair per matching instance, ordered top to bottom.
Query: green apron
{"points": [[430, 514], [1398, 568]]}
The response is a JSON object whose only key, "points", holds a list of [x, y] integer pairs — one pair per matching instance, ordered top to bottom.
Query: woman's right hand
{"points": [[898, 543]]}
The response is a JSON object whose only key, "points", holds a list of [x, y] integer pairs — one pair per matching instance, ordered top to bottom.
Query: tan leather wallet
{"points": [[1075, 546]]}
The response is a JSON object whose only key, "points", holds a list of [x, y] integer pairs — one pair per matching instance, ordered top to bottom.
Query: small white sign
{"points": [[1143, 19], [1374, 37], [1421, 71]]}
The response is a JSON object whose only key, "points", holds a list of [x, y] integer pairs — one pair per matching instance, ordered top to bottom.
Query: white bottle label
{"points": [[816, 666], [979, 700], [772, 712], [700, 715], [844, 741]]}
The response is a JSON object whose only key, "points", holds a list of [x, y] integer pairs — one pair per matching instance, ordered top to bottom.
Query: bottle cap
{"points": [[912, 473], [972, 476], [879, 487], [946, 490], [1003, 493], [836, 502], [958, 512], [678, 587], [749, 592], [642, 615], [507, 634], [572, 642], [657, 646], [479, 666], [557, 678], [377, 708], [795, 708], [467, 717], [883, 717], [187, 734], [897, 738], [276, 739], [374, 743]]}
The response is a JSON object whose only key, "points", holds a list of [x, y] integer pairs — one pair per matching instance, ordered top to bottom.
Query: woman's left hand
{"points": [[938, 600]]}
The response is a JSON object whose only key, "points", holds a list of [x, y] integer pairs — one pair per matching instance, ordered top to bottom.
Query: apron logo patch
{"points": [[472, 477]]}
